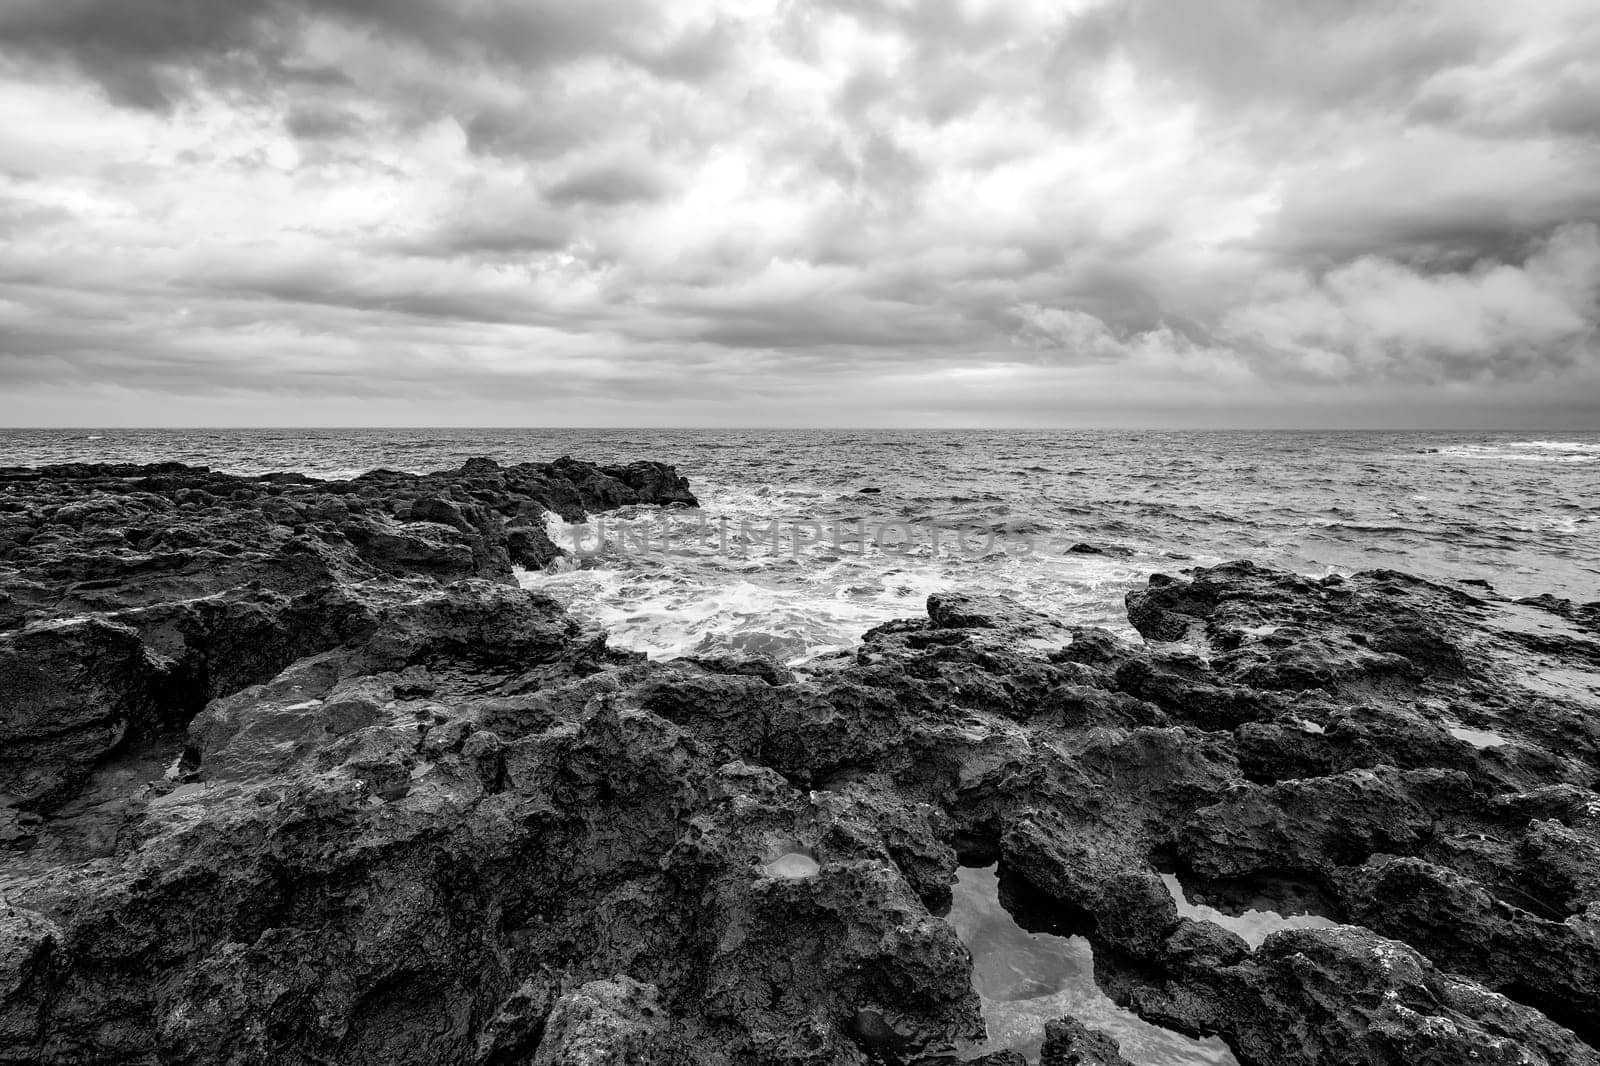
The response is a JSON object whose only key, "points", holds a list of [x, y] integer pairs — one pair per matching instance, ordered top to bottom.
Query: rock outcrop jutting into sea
{"points": [[294, 772]]}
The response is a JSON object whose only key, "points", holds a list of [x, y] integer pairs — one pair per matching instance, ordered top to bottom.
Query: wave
{"points": [[1558, 445], [1527, 451], [1514, 507], [1364, 527]]}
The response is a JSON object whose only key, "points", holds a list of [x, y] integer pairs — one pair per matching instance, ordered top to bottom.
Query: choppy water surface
{"points": [[1519, 510]]}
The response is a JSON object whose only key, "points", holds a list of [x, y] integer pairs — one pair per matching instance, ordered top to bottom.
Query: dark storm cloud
{"points": [[134, 47], [143, 51], [318, 122], [523, 132], [610, 185], [815, 202], [1319, 228], [516, 234], [338, 286], [875, 326]]}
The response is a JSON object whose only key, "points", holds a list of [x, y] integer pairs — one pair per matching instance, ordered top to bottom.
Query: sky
{"points": [[800, 213]]}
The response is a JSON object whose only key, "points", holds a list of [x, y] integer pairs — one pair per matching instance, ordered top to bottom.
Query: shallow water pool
{"points": [[1028, 979]]}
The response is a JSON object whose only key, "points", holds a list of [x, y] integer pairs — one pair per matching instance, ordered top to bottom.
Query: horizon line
{"points": [[804, 429]]}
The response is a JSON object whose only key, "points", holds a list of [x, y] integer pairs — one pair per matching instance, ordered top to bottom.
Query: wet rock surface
{"points": [[130, 595], [301, 776], [1067, 1042]]}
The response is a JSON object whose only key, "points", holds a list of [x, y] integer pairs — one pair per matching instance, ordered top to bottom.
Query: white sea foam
{"points": [[1558, 445], [1526, 451], [721, 582], [669, 614]]}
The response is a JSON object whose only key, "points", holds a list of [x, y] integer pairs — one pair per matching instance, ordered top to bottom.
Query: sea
{"points": [[805, 539]]}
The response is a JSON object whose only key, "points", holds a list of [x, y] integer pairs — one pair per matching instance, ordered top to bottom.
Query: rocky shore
{"points": [[292, 771]]}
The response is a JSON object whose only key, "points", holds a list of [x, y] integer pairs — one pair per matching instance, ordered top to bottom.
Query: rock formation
{"points": [[297, 774]]}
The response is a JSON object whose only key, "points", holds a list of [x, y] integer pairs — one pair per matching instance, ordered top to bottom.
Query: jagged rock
{"points": [[653, 483], [607, 488], [531, 546], [1096, 549], [192, 584], [1380, 625], [73, 690], [315, 781], [1313, 825], [1563, 864], [1135, 913], [27, 942], [1553, 965], [1348, 995], [608, 1023], [1068, 1042]]}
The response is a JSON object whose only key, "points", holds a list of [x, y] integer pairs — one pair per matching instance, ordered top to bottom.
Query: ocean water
{"points": [[788, 557], [771, 563]]}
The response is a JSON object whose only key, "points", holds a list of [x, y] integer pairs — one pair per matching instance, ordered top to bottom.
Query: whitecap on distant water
{"points": [[1559, 445], [1527, 451]]}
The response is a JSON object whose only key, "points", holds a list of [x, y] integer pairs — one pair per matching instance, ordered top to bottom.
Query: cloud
{"points": [[136, 50], [320, 122], [609, 185], [1036, 211], [1377, 319]]}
